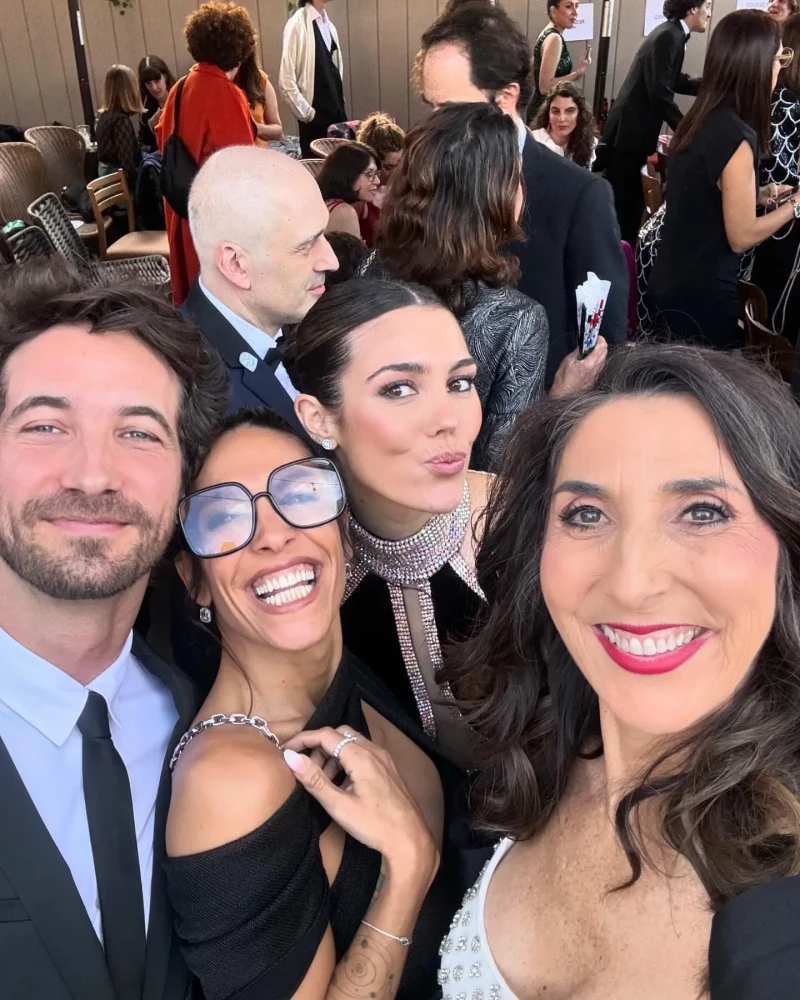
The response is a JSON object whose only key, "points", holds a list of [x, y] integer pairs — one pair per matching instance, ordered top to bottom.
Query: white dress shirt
{"points": [[324, 25], [259, 341], [39, 709]]}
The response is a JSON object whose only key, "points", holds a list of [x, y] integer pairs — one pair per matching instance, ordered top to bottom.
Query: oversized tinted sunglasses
{"points": [[221, 519]]}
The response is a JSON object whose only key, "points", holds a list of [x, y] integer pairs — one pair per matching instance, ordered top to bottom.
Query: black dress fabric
{"points": [[328, 101], [147, 137], [694, 283], [370, 630], [251, 914], [754, 952]]}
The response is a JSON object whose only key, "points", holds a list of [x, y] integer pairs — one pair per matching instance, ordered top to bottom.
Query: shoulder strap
{"points": [[178, 93]]}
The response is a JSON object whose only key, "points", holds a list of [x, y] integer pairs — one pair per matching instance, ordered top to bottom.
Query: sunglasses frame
{"points": [[255, 497]]}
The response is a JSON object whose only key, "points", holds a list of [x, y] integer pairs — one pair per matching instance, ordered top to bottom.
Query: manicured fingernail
{"points": [[296, 761]]}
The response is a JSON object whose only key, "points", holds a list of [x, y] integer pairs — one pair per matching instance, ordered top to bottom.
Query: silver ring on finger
{"points": [[347, 738]]}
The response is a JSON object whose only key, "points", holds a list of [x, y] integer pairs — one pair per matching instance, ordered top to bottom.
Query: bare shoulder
{"points": [[227, 783]]}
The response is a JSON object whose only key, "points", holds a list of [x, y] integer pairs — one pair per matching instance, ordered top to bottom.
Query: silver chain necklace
{"points": [[237, 719]]}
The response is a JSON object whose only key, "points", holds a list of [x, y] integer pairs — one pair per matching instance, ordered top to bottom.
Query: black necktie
{"points": [[274, 354], [112, 830]]}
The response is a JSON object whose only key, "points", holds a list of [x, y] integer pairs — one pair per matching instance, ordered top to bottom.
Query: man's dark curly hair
{"points": [[221, 34]]}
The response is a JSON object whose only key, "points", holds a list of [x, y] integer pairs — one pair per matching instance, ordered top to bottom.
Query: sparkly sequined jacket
{"points": [[507, 334]]}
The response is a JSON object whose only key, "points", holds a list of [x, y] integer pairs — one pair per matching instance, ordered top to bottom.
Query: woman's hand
{"points": [[583, 65], [769, 195], [576, 373], [375, 807]]}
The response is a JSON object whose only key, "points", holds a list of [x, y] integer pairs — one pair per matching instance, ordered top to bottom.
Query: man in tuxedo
{"points": [[476, 52], [645, 102], [258, 223], [107, 400]]}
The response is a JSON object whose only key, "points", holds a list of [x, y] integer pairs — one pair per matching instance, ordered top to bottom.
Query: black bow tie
{"points": [[274, 355]]}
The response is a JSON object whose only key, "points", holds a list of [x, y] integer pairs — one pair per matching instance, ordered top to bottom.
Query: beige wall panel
{"points": [[518, 9], [180, 10], [341, 12], [421, 15], [272, 17], [157, 31], [129, 35], [101, 42], [67, 56], [363, 57], [393, 62], [21, 66], [48, 68], [8, 105]]}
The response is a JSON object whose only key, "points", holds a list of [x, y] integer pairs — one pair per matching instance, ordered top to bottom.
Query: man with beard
{"points": [[258, 224], [107, 400]]}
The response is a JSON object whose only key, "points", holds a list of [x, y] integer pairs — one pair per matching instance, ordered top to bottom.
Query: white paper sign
{"points": [[752, 4], [653, 15], [583, 30]]}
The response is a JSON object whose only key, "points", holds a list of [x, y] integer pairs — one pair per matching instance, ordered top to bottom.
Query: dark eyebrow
{"points": [[463, 363], [413, 367], [54, 402], [153, 414], [705, 484], [681, 487]]}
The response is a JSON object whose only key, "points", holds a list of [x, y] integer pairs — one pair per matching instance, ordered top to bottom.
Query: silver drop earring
{"points": [[328, 444], [348, 570], [205, 616]]}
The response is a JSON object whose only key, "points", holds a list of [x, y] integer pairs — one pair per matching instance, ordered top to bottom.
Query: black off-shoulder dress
{"points": [[251, 914]]}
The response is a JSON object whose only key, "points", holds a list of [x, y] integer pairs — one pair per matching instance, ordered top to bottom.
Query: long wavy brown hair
{"points": [[250, 79], [582, 141], [453, 204], [727, 790]]}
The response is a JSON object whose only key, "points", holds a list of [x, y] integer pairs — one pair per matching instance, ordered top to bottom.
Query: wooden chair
{"points": [[324, 147], [64, 153], [314, 167], [105, 193], [652, 193], [749, 292], [776, 351]]}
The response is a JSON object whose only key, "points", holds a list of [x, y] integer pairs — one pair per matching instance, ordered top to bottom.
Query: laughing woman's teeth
{"points": [[666, 642]]}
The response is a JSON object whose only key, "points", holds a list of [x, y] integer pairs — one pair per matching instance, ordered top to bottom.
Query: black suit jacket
{"points": [[647, 97], [570, 228], [259, 387], [48, 947]]}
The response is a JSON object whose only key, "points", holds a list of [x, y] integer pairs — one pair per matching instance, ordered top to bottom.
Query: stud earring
{"points": [[328, 444], [205, 616]]}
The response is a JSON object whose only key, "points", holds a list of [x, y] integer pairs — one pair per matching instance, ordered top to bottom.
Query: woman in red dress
{"points": [[214, 113]]}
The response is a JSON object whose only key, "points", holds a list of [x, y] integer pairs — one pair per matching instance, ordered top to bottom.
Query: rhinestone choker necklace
{"points": [[411, 562]]}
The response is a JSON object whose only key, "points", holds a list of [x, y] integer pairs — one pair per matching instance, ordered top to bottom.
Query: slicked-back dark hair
{"points": [[677, 10], [498, 51], [41, 295], [317, 351], [728, 789]]}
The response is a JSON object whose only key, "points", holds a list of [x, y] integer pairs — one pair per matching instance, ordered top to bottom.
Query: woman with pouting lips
{"points": [[387, 387], [635, 692], [284, 884]]}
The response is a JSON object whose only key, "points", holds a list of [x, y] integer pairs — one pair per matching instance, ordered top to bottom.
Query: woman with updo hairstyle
{"points": [[214, 113], [381, 134], [456, 199], [386, 387], [634, 689]]}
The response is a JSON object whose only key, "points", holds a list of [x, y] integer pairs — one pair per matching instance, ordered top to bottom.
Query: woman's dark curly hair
{"points": [[221, 34], [582, 141], [342, 169], [453, 204], [728, 789]]}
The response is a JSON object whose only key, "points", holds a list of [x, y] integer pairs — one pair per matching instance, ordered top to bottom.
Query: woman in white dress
{"points": [[635, 692]]}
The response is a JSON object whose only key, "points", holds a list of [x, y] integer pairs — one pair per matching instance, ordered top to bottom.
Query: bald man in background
{"points": [[258, 225]]}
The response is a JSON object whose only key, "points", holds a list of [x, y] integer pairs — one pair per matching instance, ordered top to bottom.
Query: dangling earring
{"points": [[348, 570], [205, 616]]}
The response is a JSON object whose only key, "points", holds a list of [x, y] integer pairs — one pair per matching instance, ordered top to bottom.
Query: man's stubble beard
{"points": [[85, 572]]}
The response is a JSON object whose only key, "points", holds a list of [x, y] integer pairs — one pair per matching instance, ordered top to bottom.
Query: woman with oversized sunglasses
{"points": [[288, 869]]}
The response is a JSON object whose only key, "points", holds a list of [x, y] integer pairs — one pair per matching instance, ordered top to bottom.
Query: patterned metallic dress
{"points": [[405, 600]]}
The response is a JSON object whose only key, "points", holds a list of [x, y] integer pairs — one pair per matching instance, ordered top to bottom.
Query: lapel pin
{"points": [[248, 361]]}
